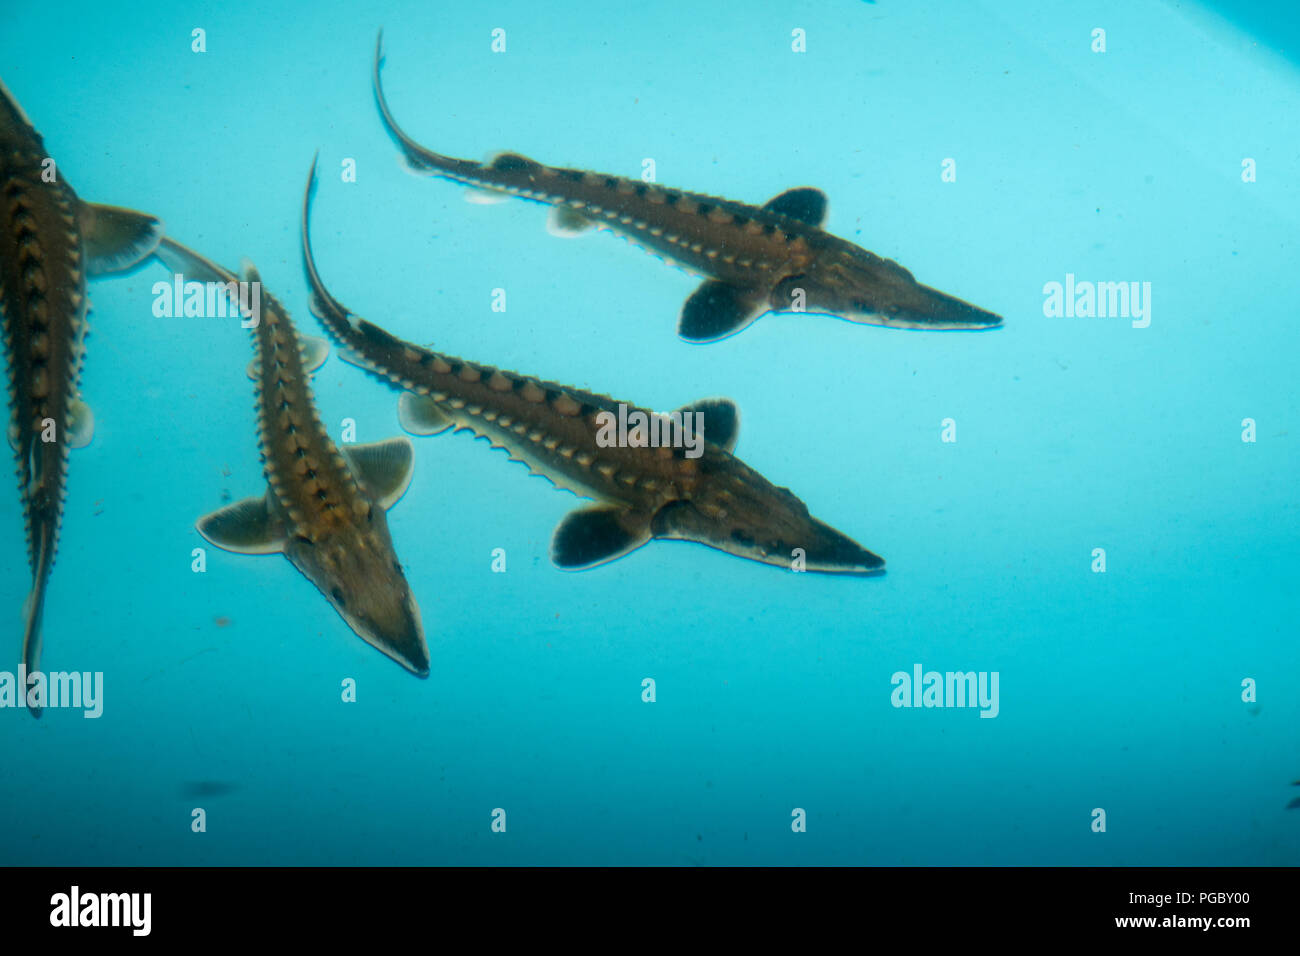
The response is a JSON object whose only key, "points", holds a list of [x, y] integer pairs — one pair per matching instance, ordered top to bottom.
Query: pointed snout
{"points": [[835, 552]]}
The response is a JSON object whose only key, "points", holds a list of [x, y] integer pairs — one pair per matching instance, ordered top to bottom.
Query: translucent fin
{"points": [[485, 197], [566, 222], [115, 238], [185, 261], [315, 350], [352, 358], [420, 415], [81, 424], [384, 467], [246, 527], [591, 536], [34, 607]]}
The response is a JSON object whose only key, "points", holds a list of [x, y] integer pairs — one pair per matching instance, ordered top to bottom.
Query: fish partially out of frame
{"points": [[50, 242], [754, 259], [641, 492], [324, 509]]}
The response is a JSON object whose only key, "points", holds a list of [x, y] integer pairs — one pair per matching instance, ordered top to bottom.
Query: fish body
{"points": [[50, 243], [755, 259], [564, 433], [324, 509]]}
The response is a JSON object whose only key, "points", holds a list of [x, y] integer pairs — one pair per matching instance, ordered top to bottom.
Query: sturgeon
{"points": [[50, 242], [754, 259], [560, 432], [325, 510]]}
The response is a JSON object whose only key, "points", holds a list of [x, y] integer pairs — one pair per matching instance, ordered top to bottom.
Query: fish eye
{"points": [[740, 537]]}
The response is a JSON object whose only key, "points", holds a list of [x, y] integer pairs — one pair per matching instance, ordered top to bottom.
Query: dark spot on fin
{"points": [[513, 162], [804, 203], [566, 222], [114, 238], [718, 309], [721, 420], [246, 527], [592, 536]]}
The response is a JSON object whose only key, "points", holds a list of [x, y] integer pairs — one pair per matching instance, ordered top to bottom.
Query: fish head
{"points": [[850, 282], [739, 512], [357, 570]]}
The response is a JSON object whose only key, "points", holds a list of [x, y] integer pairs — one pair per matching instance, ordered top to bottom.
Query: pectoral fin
{"points": [[803, 203], [115, 238], [718, 309], [420, 415], [721, 420], [384, 467], [246, 527], [592, 536]]}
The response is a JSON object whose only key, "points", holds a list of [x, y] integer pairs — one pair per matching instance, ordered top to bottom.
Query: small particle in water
{"points": [[221, 621], [207, 788]]}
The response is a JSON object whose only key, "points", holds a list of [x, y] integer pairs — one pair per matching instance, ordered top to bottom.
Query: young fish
{"points": [[50, 242], [754, 259], [561, 432], [324, 509]]}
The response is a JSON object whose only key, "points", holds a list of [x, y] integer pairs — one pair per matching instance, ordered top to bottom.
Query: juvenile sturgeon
{"points": [[50, 242], [754, 259], [641, 492], [323, 509]]}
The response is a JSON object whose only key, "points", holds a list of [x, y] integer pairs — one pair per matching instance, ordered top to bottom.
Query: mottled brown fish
{"points": [[50, 242], [754, 259], [561, 432], [325, 510]]}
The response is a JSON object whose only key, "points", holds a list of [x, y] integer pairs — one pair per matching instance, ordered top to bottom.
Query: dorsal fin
{"points": [[513, 162], [803, 203], [721, 421]]}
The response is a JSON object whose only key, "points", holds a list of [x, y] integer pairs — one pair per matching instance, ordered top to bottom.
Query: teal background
{"points": [[1120, 691]]}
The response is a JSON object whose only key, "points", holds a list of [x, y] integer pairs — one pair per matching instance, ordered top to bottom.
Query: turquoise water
{"points": [[1119, 690]]}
